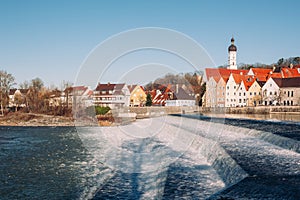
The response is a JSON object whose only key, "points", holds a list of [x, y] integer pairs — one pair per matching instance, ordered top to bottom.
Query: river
{"points": [[168, 157]]}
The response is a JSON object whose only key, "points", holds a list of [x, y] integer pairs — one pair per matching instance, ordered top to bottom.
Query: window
{"points": [[270, 84], [227, 87], [234, 87], [103, 92], [110, 92], [270, 92], [284, 92], [228, 93], [234, 93], [244, 93], [250, 93], [254, 93], [275, 93], [288, 93], [292, 93], [240, 94], [240, 100], [244, 100], [284, 103], [292, 103]]}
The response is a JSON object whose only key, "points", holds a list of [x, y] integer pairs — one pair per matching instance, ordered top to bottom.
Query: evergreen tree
{"points": [[149, 100]]}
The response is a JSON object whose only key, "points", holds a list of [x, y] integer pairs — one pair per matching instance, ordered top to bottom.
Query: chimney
{"points": [[291, 65], [274, 68], [108, 83], [176, 88]]}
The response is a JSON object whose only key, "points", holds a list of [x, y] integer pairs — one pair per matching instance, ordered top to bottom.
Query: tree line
{"points": [[36, 96]]}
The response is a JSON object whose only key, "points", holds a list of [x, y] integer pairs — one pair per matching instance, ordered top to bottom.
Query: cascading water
{"points": [[147, 162]]}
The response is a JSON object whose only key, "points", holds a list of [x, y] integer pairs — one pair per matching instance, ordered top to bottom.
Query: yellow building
{"points": [[254, 94], [137, 96]]}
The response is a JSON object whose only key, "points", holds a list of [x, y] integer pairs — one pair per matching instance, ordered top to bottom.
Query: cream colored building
{"points": [[220, 88], [211, 93], [254, 94], [137, 96]]}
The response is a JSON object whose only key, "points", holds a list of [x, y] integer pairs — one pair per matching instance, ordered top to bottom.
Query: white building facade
{"points": [[270, 92]]}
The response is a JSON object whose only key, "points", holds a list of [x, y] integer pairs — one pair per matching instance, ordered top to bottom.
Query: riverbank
{"points": [[284, 113], [33, 119]]}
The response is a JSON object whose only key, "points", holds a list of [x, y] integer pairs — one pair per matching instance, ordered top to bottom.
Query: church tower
{"points": [[232, 55]]}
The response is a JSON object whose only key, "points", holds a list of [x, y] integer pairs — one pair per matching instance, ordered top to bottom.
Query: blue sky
{"points": [[51, 39]]}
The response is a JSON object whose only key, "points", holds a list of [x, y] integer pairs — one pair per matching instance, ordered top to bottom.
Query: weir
{"points": [[290, 143], [149, 160]]}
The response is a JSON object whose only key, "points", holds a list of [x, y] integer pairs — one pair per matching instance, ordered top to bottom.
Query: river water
{"points": [[171, 157]]}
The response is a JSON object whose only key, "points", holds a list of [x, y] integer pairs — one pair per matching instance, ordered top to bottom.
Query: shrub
{"points": [[98, 110], [101, 110]]}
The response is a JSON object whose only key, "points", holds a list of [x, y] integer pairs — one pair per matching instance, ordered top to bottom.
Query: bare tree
{"points": [[6, 82], [24, 85], [66, 86], [34, 94], [18, 100]]}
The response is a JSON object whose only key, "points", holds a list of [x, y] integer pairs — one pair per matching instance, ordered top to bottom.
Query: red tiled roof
{"points": [[261, 71], [290, 72], [218, 73], [274, 75], [261, 77], [248, 80], [105, 87], [12, 91], [23, 91], [161, 97]]}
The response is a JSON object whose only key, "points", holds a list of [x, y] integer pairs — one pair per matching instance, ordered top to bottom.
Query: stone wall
{"points": [[252, 110], [143, 112]]}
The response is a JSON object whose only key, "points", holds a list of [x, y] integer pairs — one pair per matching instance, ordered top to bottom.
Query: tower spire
{"points": [[232, 55]]}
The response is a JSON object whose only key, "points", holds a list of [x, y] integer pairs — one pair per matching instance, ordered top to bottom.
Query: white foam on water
{"points": [[147, 151]]}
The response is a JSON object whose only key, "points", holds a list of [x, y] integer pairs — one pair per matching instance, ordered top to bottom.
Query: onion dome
{"points": [[232, 47]]}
